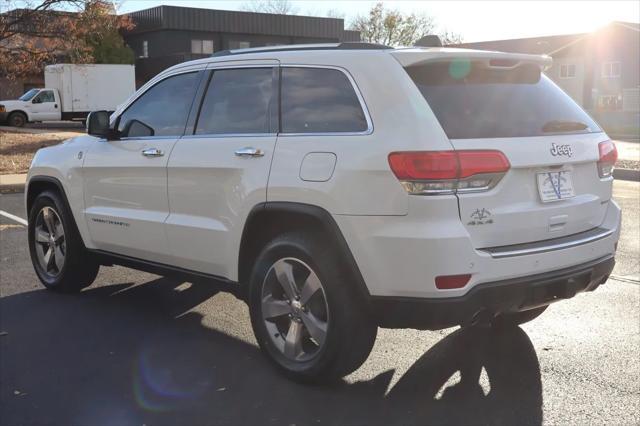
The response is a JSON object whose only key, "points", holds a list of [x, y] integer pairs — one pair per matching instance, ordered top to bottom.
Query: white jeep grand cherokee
{"points": [[338, 188]]}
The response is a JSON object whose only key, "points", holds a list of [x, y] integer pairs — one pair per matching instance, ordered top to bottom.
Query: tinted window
{"points": [[46, 96], [237, 101], [319, 101], [472, 101], [165, 106]]}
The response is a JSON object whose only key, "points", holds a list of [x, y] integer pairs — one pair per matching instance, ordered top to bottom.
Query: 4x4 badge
{"points": [[481, 217]]}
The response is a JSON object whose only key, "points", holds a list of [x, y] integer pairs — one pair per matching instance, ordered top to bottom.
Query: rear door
{"points": [[79, 86], [219, 171], [125, 180], [552, 188]]}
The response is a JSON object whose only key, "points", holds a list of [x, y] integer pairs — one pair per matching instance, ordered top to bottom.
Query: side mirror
{"points": [[36, 101], [98, 124], [137, 129]]}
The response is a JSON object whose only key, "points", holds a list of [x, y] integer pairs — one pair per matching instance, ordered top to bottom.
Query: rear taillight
{"points": [[608, 158], [448, 172]]}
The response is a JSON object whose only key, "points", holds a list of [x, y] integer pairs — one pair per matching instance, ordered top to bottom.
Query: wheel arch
{"points": [[19, 111], [38, 184], [269, 219]]}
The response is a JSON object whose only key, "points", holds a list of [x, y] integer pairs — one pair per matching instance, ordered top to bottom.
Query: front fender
{"points": [[61, 165]]}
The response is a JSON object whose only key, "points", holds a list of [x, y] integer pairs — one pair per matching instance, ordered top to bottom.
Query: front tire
{"points": [[17, 119], [58, 255], [306, 315]]}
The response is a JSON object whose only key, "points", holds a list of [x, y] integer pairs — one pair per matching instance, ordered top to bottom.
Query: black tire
{"points": [[17, 119], [79, 268], [517, 318], [350, 331]]}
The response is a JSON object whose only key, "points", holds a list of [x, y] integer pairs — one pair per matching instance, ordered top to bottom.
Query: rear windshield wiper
{"points": [[563, 126]]}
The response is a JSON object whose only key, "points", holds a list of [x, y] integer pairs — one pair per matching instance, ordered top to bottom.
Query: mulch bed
{"points": [[17, 149]]}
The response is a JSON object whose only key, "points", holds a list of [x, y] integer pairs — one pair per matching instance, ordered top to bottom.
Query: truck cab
{"points": [[34, 105]]}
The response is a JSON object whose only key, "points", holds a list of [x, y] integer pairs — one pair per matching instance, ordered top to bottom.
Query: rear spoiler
{"points": [[417, 56]]}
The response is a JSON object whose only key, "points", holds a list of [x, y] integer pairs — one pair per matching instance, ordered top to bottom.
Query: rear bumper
{"points": [[3, 116], [402, 256], [492, 298]]}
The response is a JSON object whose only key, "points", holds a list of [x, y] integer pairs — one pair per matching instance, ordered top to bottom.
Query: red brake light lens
{"points": [[608, 157], [477, 162], [421, 165], [439, 172], [449, 282]]}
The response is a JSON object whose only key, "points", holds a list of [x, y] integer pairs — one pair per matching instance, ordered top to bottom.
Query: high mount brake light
{"points": [[608, 157], [448, 172]]}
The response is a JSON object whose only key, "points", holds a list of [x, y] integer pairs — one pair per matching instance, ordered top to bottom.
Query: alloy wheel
{"points": [[50, 242], [294, 309]]}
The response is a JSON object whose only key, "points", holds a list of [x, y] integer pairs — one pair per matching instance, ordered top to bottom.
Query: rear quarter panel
{"points": [[362, 182]]}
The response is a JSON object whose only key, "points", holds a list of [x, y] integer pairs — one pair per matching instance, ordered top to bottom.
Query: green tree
{"points": [[100, 31]]}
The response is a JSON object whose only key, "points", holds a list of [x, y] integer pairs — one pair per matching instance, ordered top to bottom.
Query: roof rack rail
{"points": [[296, 47]]}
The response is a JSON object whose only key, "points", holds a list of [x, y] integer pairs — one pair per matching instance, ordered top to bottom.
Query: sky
{"points": [[474, 20]]}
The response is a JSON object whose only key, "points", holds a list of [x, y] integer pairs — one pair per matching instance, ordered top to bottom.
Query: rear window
{"points": [[471, 100]]}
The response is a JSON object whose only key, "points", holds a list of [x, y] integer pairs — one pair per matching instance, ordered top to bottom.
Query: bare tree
{"points": [[278, 7], [335, 13], [392, 27], [450, 38]]}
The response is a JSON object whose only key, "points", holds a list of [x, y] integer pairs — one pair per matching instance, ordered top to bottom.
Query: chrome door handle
{"points": [[152, 152], [249, 152]]}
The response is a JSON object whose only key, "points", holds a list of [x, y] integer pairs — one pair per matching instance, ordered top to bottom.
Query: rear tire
{"points": [[17, 119], [58, 255], [517, 318], [292, 339]]}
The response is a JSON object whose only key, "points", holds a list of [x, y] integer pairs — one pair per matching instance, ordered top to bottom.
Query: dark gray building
{"points": [[167, 35]]}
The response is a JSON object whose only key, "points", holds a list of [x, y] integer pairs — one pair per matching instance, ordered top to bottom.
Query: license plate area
{"points": [[555, 186]]}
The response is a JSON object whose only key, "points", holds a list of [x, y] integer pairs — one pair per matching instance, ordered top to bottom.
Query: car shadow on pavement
{"points": [[137, 354]]}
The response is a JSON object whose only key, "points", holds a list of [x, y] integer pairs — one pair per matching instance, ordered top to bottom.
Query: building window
{"points": [[235, 44], [202, 47], [145, 49], [611, 69], [567, 71], [610, 102]]}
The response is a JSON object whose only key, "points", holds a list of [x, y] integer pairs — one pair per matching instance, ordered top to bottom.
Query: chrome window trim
{"points": [[234, 64], [356, 89], [229, 135], [538, 247]]}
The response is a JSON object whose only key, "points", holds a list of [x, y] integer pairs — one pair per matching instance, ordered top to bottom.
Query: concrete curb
{"points": [[12, 183]]}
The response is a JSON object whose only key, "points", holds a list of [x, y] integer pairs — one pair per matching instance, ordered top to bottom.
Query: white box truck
{"points": [[71, 92]]}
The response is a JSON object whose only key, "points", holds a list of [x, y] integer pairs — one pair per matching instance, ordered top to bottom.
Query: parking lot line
{"points": [[14, 218]]}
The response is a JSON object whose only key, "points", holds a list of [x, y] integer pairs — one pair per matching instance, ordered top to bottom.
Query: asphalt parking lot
{"points": [[138, 349]]}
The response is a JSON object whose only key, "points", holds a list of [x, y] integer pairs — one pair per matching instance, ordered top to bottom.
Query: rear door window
{"points": [[320, 100], [471, 100], [238, 101]]}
